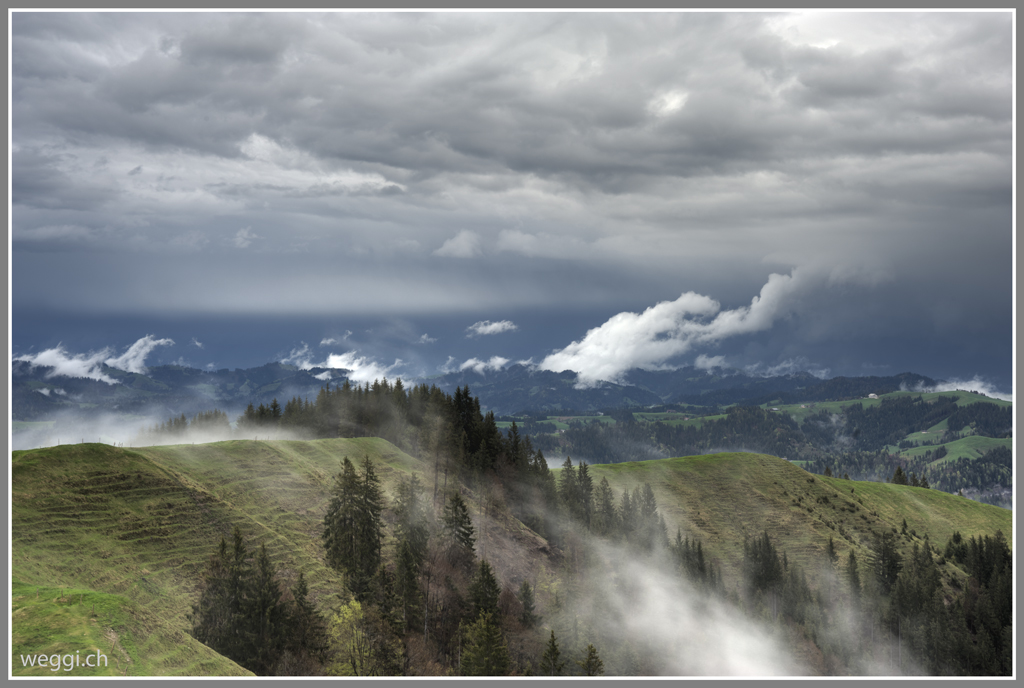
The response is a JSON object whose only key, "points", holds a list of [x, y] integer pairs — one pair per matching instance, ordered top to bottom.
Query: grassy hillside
{"points": [[722, 498], [134, 528], [109, 544]]}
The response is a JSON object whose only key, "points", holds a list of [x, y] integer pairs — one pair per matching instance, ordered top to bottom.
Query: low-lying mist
{"points": [[135, 431], [674, 628]]}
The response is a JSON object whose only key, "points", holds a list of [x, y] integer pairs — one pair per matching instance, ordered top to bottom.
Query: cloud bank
{"points": [[650, 339], [976, 384]]}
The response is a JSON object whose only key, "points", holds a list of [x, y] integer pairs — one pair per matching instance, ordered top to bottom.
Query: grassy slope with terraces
{"points": [[140, 524]]}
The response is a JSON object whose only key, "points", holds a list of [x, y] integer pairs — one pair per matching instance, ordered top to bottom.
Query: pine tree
{"points": [[899, 477], [585, 486], [569, 490], [605, 508], [412, 517], [353, 526], [369, 526], [458, 531], [339, 533], [830, 552], [887, 561], [852, 576], [407, 583], [484, 591], [240, 613], [266, 616], [528, 618], [307, 629], [485, 652], [549, 662], [591, 664]]}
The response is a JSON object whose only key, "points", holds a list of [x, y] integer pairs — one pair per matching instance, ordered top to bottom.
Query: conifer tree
{"points": [[899, 477], [585, 487], [569, 489], [605, 508], [412, 517], [353, 525], [369, 525], [458, 532], [339, 533], [830, 552], [887, 561], [852, 575], [407, 584], [484, 591], [266, 616], [528, 618], [307, 628], [485, 652], [550, 664], [591, 664]]}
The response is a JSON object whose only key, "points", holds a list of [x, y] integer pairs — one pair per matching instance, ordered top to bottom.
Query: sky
{"points": [[406, 194]]}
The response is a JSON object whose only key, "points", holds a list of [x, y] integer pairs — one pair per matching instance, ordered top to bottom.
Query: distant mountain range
{"points": [[171, 390]]}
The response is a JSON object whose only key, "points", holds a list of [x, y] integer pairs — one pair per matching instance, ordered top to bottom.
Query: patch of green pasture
{"points": [[562, 422], [970, 447], [68, 625]]}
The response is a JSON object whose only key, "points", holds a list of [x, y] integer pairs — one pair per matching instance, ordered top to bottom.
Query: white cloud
{"points": [[244, 237], [465, 244], [485, 327], [671, 328], [426, 339], [331, 341], [197, 343], [300, 357], [133, 360], [708, 362], [90, 366], [448, 366], [481, 367], [361, 368]]}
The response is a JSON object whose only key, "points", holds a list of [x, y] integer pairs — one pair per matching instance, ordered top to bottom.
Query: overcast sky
{"points": [[464, 170]]}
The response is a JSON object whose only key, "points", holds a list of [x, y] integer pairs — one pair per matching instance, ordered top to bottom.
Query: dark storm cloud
{"points": [[459, 161]]}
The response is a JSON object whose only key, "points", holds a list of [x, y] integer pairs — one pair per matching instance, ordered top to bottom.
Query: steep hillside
{"points": [[723, 498], [141, 524]]}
